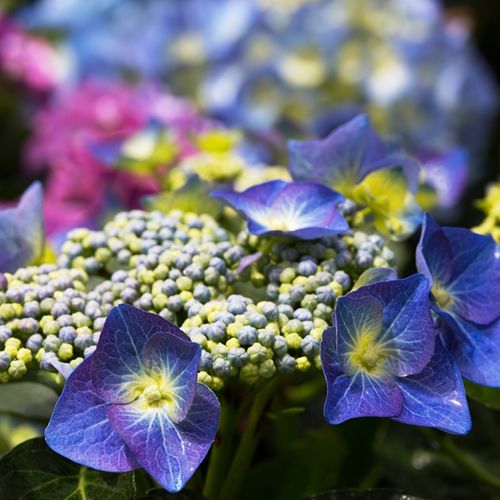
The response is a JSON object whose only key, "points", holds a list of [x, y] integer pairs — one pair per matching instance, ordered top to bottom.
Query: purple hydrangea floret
{"points": [[347, 156], [303, 210], [21, 230], [464, 269], [382, 359], [135, 402]]}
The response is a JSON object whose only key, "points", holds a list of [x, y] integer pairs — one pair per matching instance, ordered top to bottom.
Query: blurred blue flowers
{"points": [[303, 210], [21, 231], [464, 269], [381, 358], [136, 402]]}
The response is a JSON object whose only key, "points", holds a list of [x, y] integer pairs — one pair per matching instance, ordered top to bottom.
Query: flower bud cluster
{"points": [[182, 266], [310, 275], [253, 340]]}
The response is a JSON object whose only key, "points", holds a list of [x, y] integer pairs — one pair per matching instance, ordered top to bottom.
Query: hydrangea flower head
{"points": [[346, 156], [303, 210], [21, 231], [464, 269], [380, 359], [136, 402]]}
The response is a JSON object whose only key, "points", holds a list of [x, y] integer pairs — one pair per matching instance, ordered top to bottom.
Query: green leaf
{"points": [[194, 196], [488, 396], [27, 399], [32, 471]]}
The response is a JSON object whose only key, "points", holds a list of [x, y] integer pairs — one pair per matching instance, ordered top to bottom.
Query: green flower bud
{"points": [[24, 355], [17, 369]]}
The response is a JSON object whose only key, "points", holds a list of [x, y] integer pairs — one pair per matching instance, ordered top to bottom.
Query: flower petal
{"points": [[304, 210], [21, 231], [433, 252], [475, 282], [407, 321], [476, 348], [118, 360], [177, 360], [361, 396], [436, 396], [80, 430], [169, 452]]}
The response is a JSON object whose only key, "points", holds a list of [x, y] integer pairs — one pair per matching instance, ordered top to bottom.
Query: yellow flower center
{"points": [[442, 296], [368, 355]]}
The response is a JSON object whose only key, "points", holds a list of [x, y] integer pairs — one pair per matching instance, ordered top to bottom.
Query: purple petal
{"points": [[347, 156], [446, 172], [302, 210], [21, 230], [433, 252], [248, 260], [475, 282], [407, 321], [476, 348], [118, 360], [177, 360], [436, 396], [80, 430], [169, 452]]}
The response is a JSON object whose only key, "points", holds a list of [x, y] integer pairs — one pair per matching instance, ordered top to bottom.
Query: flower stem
{"points": [[221, 451], [244, 453], [467, 462]]}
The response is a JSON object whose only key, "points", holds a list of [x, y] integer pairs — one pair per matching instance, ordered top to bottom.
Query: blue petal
{"points": [[302, 210], [21, 231], [433, 252], [475, 282], [355, 318], [407, 321], [476, 348], [118, 359], [177, 360], [355, 396], [361, 396], [436, 396], [80, 430], [169, 452]]}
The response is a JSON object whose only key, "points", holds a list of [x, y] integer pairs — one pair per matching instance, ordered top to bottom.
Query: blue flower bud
{"points": [[307, 267], [194, 271], [343, 279], [201, 293], [325, 295], [286, 309], [257, 320], [215, 331], [5, 333], [67, 334], [247, 335], [82, 341], [34, 342], [51, 343], [280, 346], [310, 346], [237, 357], [4, 361], [206, 361], [285, 364], [221, 367]]}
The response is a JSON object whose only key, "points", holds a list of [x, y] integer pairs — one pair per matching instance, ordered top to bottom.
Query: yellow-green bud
{"points": [[293, 340], [233, 343], [12, 345], [65, 352], [25, 355], [303, 364], [17, 369], [267, 369], [249, 373]]}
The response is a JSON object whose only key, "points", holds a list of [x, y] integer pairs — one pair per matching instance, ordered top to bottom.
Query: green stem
{"points": [[221, 451], [244, 453], [468, 463]]}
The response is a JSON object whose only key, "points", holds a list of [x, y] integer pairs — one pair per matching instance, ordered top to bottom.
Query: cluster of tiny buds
{"points": [[182, 266]]}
